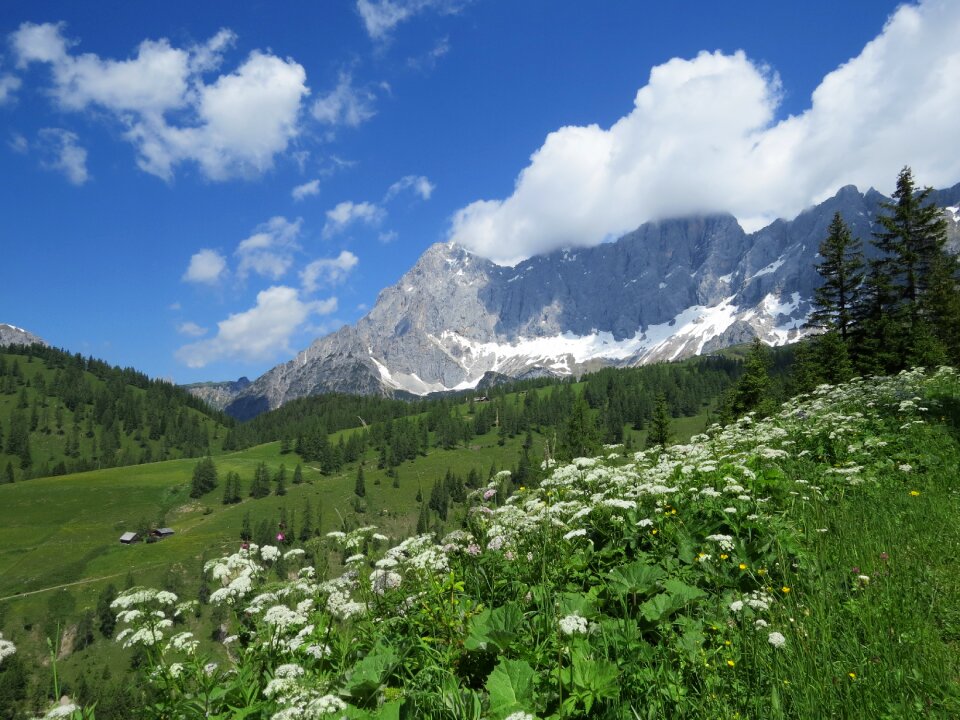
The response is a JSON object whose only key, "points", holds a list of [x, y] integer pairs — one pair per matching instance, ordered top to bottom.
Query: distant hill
{"points": [[63, 413]]}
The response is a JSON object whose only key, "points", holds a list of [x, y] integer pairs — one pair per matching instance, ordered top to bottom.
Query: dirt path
{"points": [[71, 584]]}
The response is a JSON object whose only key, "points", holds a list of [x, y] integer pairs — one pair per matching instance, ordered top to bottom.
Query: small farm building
{"points": [[163, 532], [128, 537]]}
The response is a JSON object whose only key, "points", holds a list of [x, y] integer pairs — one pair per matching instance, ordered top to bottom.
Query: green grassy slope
{"points": [[80, 418]]}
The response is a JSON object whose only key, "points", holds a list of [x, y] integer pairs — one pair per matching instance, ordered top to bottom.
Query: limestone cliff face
{"points": [[668, 290], [12, 335]]}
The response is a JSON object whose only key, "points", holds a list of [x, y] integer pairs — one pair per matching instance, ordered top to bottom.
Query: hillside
{"points": [[62, 413], [59, 548], [804, 565]]}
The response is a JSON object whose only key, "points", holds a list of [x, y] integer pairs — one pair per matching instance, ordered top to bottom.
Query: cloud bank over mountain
{"points": [[704, 136]]}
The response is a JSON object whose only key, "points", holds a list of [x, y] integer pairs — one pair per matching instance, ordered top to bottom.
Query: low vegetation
{"points": [[803, 565]]}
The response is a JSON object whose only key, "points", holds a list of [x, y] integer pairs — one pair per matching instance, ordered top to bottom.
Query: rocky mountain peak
{"points": [[669, 289], [13, 335]]}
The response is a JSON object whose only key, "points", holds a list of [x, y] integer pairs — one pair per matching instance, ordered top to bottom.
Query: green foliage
{"points": [[842, 271], [753, 389], [64, 413], [659, 433], [204, 478], [757, 572]]}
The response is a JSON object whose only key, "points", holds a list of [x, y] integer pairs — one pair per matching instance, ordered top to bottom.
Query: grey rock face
{"points": [[668, 290], [12, 335], [218, 394]]}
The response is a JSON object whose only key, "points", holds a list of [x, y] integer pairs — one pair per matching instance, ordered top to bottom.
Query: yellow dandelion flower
{"points": [[914, 493], [653, 532], [723, 556], [743, 566], [785, 589], [726, 642], [731, 663], [853, 675]]}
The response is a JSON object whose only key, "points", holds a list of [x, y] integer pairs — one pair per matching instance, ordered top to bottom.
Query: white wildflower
{"points": [[573, 624], [776, 639]]}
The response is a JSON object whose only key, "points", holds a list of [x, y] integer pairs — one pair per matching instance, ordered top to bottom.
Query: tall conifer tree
{"points": [[842, 272]]}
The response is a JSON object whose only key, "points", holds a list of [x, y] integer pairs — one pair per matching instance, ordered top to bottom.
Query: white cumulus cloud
{"points": [[345, 104], [233, 126], [703, 136], [64, 154], [306, 190], [347, 213], [269, 251], [206, 266], [327, 272], [260, 333]]}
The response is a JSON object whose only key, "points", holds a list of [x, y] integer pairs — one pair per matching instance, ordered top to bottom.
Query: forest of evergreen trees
{"points": [[897, 305], [87, 414]]}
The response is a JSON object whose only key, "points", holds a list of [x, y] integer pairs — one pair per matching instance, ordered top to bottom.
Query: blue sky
{"points": [[199, 189]]}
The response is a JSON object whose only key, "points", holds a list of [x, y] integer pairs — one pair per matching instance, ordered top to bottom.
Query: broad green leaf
{"points": [[637, 577], [682, 592], [658, 607], [497, 627], [368, 674], [598, 677], [510, 686], [389, 711]]}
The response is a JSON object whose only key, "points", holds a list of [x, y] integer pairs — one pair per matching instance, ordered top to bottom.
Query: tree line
{"points": [[897, 305]]}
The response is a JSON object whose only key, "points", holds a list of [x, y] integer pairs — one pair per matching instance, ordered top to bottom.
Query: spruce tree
{"points": [[913, 238], [842, 272], [752, 391], [659, 433], [298, 474], [360, 487], [306, 524], [106, 620]]}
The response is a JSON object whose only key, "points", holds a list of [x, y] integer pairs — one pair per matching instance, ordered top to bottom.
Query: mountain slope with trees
{"points": [[63, 413]]}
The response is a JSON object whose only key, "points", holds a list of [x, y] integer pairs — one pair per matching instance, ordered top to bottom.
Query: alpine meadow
{"points": [[381, 360]]}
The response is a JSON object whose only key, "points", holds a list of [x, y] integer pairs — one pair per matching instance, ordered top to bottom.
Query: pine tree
{"points": [[913, 239], [842, 272], [752, 391], [659, 433], [579, 436], [298, 474], [204, 478], [281, 488], [360, 488], [423, 519], [306, 524], [107, 621]]}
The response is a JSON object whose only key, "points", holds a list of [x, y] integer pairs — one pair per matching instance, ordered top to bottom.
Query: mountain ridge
{"points": [[667, 290]]}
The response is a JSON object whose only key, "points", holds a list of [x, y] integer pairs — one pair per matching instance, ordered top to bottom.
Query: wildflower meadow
{"points": [[797, 566]]}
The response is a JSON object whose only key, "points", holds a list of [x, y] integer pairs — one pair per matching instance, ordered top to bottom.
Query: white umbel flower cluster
{"points": [[574, 624], [7, 648]]}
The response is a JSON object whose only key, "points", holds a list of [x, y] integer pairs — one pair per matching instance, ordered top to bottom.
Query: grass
{"points": [[59, 535], [801, 567]]}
